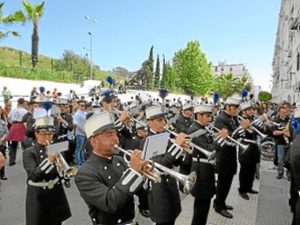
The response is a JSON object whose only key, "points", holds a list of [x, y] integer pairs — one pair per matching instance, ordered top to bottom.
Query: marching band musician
{"points": [[109, 103], [183, 122], [282, 137], [249, 157], [226, 163], [104, 181], [204, 188], [164, 199], [46, 202]]}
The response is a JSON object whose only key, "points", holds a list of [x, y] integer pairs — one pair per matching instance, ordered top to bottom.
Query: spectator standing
{"points": [[6, 94], [17, 131]]}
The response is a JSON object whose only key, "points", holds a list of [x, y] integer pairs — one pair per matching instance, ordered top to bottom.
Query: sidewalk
{"points": [[269, 207]]}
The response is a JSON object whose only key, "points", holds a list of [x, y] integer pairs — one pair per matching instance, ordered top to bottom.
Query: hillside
{"points": [[15, 63]]}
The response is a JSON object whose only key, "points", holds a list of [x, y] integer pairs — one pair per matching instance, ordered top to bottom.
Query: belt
{"points": [[14, 122], [195, 159], [50, 184]]}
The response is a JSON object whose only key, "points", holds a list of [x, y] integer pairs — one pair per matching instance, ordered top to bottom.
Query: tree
{"points": [[34, 14], [16, 17], [148, 66], [193, 70], [157, 73], [163, 76], [171, 80], [227, 85], [264, 96]]}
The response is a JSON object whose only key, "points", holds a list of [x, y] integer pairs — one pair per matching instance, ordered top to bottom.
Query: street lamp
{"points": [[91, 45], [91, 55]]}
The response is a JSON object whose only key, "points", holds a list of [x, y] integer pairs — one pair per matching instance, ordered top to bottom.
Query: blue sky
{"points": [[235, 31]]}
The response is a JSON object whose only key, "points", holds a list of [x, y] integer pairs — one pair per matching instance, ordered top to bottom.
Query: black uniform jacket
{"points": [[183, 123], [251, 155], [226, 156], [98, 180], [204, 187], [163, 198], [43, 204]]}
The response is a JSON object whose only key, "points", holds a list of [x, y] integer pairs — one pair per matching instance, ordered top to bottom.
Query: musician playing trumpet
{"points": [[249, 157], [226, 164], [105, 181], [204, 188], [164, 199], [46, 202]]}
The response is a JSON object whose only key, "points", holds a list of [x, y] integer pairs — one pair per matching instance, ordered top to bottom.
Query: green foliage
{"points": [[34, 13], [15, 17], [71, 68], [149, 69], [193, 70], [157, 73], [163, 76], [227, 85], [264, 96]]}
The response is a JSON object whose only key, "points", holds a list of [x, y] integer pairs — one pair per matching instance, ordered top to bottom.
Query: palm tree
{"points": [[34, 14], [16, 17], [227, 85]]}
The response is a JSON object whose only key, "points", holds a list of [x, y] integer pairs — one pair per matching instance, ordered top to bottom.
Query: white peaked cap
{"points": [[245, 105], [203, 109], [154, 111], [99, 123]]}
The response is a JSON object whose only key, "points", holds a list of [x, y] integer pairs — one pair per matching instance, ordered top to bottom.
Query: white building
{"points": [[286, 59]]}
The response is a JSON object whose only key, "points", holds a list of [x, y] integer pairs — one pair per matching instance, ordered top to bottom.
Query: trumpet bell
{"points": [[71, 172], [189, 182]]}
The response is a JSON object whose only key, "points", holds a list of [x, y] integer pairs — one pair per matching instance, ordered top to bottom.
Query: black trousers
{"points": [[13, 152], [246, 176], [223, 188], [201, 210]]}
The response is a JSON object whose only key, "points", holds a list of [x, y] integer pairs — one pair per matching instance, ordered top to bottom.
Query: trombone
{"points": [[263, 136], [244, 147], [188, 181]]}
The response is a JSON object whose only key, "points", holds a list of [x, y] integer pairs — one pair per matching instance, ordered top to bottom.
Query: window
{"points": [[298, 61]]}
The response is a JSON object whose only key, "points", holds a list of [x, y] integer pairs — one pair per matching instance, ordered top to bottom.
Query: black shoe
{"points": [[279, 177], [3, 178], [252, 191], [244, 195], [228, 207], [145, 213], [225, 213]]}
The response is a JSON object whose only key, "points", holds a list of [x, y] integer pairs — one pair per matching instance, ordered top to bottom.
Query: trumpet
{"points": [[131, 118], [263, 136], [244, 147], [209, 155], [65, 170], [188, 181]]}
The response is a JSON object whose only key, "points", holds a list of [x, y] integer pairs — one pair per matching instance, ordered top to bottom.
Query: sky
{"points": [[234, 31]]}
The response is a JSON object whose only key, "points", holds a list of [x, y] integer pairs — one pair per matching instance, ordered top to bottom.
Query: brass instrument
{"points": [[131, 118], [253, 128], [285, 128], [210, 130], [209, 155], [64, 170], [187, 181]]}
